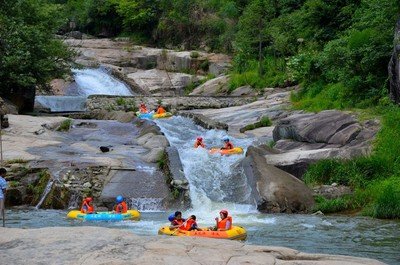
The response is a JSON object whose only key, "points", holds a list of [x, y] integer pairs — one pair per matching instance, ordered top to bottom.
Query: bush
{"points": [[263, 122], [65, 125], [333, 205]]}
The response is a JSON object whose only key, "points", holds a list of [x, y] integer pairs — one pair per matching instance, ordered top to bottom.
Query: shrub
{"points": [[194, 55], [65, 125]]}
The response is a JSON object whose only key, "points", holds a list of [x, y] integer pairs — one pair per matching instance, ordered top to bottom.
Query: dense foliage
{"points": [[29, 53]]}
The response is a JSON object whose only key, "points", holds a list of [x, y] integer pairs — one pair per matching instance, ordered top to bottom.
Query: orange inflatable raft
{"points": [[234, 151], [235, 233]]}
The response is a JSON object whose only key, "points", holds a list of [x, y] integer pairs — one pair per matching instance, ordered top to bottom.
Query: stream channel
{"points": [[213, 187]]}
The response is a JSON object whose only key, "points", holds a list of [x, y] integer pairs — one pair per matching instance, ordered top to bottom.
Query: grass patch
{"points": [[194, 55], [120, 101], [264, 122], [65, 126], [16, 161], [333, 205]]}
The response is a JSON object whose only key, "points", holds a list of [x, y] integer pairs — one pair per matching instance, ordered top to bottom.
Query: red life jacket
{"points": [[143, 110], [160, 110], [198, 143], [228, 145], [121, 207], [86, 208], [179, 222], [222, 223], [188, 225]]}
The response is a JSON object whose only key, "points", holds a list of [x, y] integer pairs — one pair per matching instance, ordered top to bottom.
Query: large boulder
{"points": [[394, 67], [157, 82], [213, 87], [304, 138], [276, 190]]}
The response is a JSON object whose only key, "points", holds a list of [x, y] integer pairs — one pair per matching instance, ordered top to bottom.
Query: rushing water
{"points": [[87, 82]]}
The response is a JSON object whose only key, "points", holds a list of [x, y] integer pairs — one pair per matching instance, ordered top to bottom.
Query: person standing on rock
{"points": [[3, 187]]}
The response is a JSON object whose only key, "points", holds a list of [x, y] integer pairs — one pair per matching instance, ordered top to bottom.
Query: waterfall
{"points": [[87, 82], [99, 82], [213, 182], [45, 193], [147, 204]]}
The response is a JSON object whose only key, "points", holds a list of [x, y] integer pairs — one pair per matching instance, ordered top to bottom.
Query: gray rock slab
{"points": [[98, 245]]}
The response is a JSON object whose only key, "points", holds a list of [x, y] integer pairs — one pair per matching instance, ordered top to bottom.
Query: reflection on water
{"points": [[355, 236]]}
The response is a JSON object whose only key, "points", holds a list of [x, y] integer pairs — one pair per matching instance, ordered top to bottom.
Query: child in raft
{"points": [[87, 206], [177, 221], [191, 224]]}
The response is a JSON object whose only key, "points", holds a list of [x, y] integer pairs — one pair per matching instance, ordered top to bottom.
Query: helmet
{"points": [[142, 104], [199, 138], [225, 139], [88, 199], [119, 199], [224, 212], [171, 217]]}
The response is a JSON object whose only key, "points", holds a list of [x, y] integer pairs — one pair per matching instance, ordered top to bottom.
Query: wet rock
{"points": [[394, 67], [204, 121], [40, 131], [104, 149], [87, 185], [277, 190], [14, 196]]}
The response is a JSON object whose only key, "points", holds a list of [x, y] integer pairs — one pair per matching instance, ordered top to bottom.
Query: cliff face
{"points": [[394, 67]]}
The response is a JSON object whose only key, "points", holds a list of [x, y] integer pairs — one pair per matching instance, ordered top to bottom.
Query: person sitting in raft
{"points": [[143, 108], [160, 110], [199, 142], [228, 144], [87, 205], [121, 206], [178, 221], [225, 223], [191, 224]]}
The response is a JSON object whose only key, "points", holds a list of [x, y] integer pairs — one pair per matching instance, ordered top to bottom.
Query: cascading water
{"points": [[88, 82], [99, 82], [213, 183]]}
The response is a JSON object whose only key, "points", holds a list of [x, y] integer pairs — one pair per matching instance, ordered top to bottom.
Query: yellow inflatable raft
{"points": [[161, 116], [234, 151], [105, 216], [235, 233]]}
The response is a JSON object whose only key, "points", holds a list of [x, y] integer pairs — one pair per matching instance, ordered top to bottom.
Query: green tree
{"points": [[29, 53]]}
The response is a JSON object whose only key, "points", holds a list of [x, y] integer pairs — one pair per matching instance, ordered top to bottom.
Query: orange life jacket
{"points": [[143, 109], [161, 110], [198, 143], [228, 145], [121, 207], [86, 208], [179, 222], [222, 223], [188, 225]]}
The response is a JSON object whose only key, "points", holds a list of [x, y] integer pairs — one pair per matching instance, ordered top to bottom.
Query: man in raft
{"points": [[143, 108], [160, 110], [199, 142], [228, 144], [87, 205], [121, 206], [178, 221], [225, 223]]}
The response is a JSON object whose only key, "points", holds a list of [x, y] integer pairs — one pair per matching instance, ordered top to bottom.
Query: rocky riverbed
{"points": [[95, 245]]}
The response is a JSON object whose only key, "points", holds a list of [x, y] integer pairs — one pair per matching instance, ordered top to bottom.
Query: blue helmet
{"points": [[225, 139], [119, 199], [171, 217]]}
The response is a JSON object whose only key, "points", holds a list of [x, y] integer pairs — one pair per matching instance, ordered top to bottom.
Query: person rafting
{"points": [[143, 108], [160, 110], [199, 142], [228, 144], [87, 205], [121, 206], [178, 221], [225, 223], [191, 224]]}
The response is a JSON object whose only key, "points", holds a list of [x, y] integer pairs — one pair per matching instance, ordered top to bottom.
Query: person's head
{"points": [[142, 105], [200, 139], [225, 139], [3, 171], [119, 199], [88, 200], [223, 214], [178, 215], [193, 217]]}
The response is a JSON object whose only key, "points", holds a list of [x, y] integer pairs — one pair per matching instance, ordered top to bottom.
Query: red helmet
{"points": [[200, 139], [88, 199], [224, 212]]}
